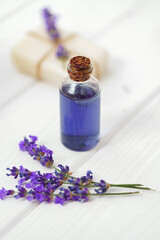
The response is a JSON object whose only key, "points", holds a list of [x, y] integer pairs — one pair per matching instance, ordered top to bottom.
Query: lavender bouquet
{"points": [[50, 23], [60, 186]]}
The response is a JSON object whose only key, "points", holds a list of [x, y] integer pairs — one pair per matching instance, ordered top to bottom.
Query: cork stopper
{"points": [[80, 68]]}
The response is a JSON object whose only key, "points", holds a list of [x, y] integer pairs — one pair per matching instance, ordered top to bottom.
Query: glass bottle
{"points": [[80, 106]]}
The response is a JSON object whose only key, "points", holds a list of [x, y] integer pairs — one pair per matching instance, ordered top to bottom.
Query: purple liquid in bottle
{"points": [[80, 117]]}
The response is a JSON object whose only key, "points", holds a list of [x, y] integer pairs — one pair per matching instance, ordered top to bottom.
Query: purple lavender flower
{"points": [[46, 13], [50, 21], [62, 53], [33, 138], [25, 144], [40, 153], [64, 170], [13, 172], [22, 172], [34, 179], [47, 180], [84, 180], [42, 186], [103, 186], [74, 188], [10, 192], [22, 192], [4, 193], [41, 194], [31, 195], [81, 195], [64, 196]]}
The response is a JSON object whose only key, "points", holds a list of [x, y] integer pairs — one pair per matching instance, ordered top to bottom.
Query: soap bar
{"points": [[90, 50], [29, 53], [35, 55], [53, 70]]}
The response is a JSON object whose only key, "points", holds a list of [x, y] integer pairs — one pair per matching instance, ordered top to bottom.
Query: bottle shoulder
{"points": [[80, 90]]}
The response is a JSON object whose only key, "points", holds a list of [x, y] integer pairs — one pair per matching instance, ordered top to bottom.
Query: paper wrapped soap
{"points": [[29, 53], [35, 55]]}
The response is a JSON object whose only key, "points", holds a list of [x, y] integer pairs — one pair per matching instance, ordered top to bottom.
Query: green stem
{"points": [[65, 174], [87, 185], [130, 186], [134, 186], [124, 193], [103, 194]]}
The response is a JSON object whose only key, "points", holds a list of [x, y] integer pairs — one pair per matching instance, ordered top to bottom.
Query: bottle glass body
{"points": [[80, 113]]}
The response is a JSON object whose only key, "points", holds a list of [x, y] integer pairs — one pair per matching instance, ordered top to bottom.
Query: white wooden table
{"points": [[129, 149]]}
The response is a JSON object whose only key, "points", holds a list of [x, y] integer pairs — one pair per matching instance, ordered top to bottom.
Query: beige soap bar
{"points": [[91, 50], [29, 53], [35, 55], [53, 70]]}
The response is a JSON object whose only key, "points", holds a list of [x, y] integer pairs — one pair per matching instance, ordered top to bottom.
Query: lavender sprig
{"points": [[50, 21], [31, 147], [40, 153], [34, 185], [4, 193], [41, 194]]}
